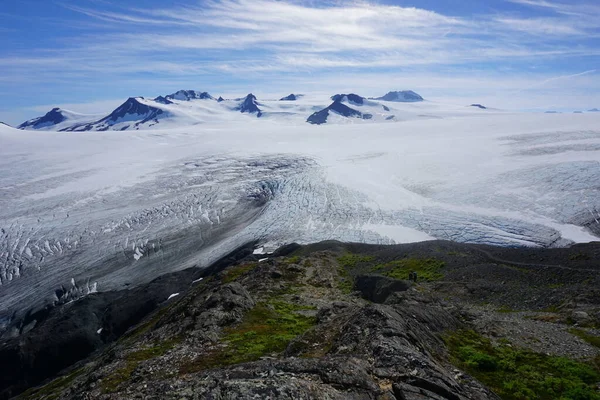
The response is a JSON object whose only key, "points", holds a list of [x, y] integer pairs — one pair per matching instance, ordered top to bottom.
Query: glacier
{"points": [[82, 212]]}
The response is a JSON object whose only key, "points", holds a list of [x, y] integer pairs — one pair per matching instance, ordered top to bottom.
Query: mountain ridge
{"points": [[191, 107], [345, 317]]}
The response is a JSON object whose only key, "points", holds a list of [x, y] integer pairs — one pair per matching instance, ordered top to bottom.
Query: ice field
{"points": [[92, 211]]}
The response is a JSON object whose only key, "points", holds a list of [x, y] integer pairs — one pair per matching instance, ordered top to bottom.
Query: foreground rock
{"points": [[339, 321]]}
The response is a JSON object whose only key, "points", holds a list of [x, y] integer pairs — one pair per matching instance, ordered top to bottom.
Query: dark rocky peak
{"points": [[187, 95], [402, 96], [291, 97], [351, 98], [220, 99], [163, 100], [250, 105], [478, 106], [132, 107], [132, 110], [344, 110], [594, 110], [53, 117], [320, 117]]}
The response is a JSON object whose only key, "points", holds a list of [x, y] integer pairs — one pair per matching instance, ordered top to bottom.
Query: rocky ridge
{"points": [[339, 321]]}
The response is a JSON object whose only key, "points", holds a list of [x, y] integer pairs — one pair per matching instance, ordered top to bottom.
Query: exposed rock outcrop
{"points": [[328, 320]]}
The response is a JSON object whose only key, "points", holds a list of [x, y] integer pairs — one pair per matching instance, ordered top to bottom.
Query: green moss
{"points": [[292, 260], [351, 261], [347, 263], [427, 269], [233, 273], [345, 283], [266, 329], [591, 339], [132, 360], [516, 374], [52, 390]]}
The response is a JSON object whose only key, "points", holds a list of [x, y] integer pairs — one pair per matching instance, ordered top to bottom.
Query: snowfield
{"points": [[93, 211]]}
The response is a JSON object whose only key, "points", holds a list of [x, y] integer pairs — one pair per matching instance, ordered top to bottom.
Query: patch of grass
{"points": [[292, 260], [351, 261], [347, 263], [427, 269], [233, 273], [345, 283], [506, 309], [266, 329], [586, 336], [132, 360], [516, 374], [52, 390]]}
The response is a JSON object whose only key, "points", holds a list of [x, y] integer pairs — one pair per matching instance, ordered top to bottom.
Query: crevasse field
{"points": [[92, 211]]}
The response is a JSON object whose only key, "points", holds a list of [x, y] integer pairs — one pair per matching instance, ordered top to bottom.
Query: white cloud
{"points": [[542, 26], [266, 35], [257, 42]]}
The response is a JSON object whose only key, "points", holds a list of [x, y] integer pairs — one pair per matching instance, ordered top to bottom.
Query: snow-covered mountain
{"points": [[187, 95], [403, 96], [291, 97], [163, 100], [250, 105], [191, 107], [337, 108], [350, 108], [132, 114], [55, 119]]}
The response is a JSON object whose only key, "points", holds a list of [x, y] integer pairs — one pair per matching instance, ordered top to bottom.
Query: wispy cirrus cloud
{"points": [[567, 8], [571, 19], [542, 26], [284, 35], [215, 42]]}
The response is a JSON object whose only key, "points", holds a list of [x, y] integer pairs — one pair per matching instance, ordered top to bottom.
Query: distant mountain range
{"points": [[191, 107]]}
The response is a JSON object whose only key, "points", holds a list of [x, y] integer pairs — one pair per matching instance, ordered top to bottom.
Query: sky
{"points": [[91, 55]]}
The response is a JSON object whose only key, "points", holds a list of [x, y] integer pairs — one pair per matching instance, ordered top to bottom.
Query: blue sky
{"points": [[90, 55]]}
